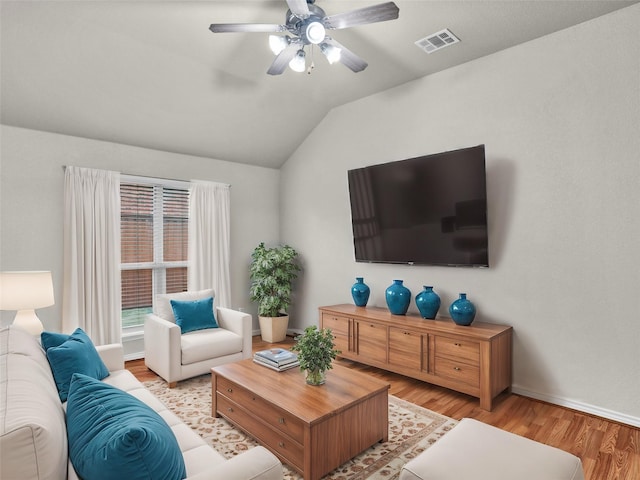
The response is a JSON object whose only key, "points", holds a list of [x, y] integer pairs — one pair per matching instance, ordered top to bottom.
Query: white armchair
{"points": [[175, 356]]}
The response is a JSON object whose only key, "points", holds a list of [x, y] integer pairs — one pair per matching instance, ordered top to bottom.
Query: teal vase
{"points": [[360, 292], [398, 298], [428, 302], [462, 311]]}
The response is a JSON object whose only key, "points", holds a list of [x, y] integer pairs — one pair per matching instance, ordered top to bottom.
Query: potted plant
{"points": [[272, 272], [316, 351]]}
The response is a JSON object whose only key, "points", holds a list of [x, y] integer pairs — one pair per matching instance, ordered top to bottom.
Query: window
{"points": [[154, 234]]}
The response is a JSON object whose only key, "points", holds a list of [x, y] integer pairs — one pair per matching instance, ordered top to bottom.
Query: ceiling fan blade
{"points": [[299, 8], [376, 13], [246, 27], [347, 57], [283, 58]]}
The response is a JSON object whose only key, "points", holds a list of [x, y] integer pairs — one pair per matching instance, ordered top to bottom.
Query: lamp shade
{"points": [[278, 43], [332, 53], [298, 63], [25, 290]]}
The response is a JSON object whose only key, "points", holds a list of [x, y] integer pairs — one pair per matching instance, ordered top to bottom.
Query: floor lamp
{"points": [[24, 292]]}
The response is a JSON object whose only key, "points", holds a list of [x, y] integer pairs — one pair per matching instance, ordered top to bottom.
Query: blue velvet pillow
{"points": [[194, 315], [52, 339], [75, 355], [114, 436]]}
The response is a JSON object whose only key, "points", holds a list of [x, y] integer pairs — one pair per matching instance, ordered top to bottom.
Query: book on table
{"points": [[277, 356], [277, 359], [273, 366]]}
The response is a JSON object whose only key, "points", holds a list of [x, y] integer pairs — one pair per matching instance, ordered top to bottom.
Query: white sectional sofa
{"points": [[33, 434]]}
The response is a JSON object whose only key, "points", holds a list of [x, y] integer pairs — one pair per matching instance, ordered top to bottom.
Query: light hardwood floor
{"points": [[609, 450]]}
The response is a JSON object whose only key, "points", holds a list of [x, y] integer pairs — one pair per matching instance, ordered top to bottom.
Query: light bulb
{"points": [[315, 32], [277, 43], [332, 53], [298, 63]]}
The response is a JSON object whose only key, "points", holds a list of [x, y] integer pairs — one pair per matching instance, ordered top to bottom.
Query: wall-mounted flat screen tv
{"points": [[429, 210]]}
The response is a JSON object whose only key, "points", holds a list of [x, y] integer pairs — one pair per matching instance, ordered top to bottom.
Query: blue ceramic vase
{"points": [[360, 292], [398, 298], [428, 302], [462, 311]]}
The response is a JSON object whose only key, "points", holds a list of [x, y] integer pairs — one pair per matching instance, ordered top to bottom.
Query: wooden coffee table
{"points": [[314, 429]]}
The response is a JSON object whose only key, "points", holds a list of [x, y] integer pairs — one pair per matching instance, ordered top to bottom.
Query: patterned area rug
{"points": [[412, 429]]}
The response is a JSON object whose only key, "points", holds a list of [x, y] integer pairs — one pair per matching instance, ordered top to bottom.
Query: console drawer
{"points": [[339, 327], [465, 350], [458, 371], [274, 416], [290, 450]]}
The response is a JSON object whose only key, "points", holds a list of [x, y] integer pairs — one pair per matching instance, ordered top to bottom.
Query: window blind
{"points": [[175, 237], [154, 239]]}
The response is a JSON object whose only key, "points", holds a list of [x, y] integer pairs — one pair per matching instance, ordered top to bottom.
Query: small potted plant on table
{"points": [[272, 272], [316, 351]]}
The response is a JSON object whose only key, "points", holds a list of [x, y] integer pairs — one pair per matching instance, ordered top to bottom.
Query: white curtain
{"points": [[209, 239], [91, 291]]}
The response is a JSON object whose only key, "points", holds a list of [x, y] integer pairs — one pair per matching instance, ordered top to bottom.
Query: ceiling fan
{"points": [[307, 24]]}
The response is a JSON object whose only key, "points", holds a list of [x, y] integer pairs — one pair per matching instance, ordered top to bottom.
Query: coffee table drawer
{"points": [[274, 416], [291, 451]]}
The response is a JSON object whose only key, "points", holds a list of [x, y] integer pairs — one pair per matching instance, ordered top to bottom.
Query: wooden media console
{"points": [[475, 360]]}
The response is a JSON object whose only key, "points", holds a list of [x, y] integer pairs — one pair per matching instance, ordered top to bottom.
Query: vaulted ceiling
{"points": [[151, 74]]}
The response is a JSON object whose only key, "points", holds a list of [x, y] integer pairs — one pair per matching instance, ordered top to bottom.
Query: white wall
{"points": [[560, 118], [31, 202]]}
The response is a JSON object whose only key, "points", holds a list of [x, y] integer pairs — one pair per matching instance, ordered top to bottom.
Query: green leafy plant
{"points": [[272, 272], [316, 351]]}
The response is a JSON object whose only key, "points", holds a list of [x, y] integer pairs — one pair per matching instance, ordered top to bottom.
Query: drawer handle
{"points": [[458, 344], [457, 369], [230, 390], [229, 409], [281, 420], [281, 444]]}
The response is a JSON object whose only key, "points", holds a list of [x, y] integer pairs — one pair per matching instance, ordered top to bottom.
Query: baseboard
{"points": [[291, 332], [133, 344], [133, 356], [579, 406]]}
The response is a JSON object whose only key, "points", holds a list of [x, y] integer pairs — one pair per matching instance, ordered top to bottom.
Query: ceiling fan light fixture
{"points": [[307, 24], [315, 32], [278, 43], [332, 53], [298, 63]]}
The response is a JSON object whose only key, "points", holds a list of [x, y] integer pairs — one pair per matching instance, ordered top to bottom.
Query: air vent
{"points": [[437, 41]]}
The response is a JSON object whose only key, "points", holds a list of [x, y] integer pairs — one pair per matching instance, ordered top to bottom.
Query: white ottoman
{"points": [[475, 450]]}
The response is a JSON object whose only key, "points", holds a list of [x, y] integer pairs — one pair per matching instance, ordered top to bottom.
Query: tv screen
{"points": [[429, 210]]}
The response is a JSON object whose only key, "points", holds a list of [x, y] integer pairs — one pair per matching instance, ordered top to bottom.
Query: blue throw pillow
{"points": [[194, 315], [52, 339], [75, 355], [114, 436]]}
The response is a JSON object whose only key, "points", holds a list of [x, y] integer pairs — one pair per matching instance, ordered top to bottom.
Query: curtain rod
{"points": [[64, 167]]}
